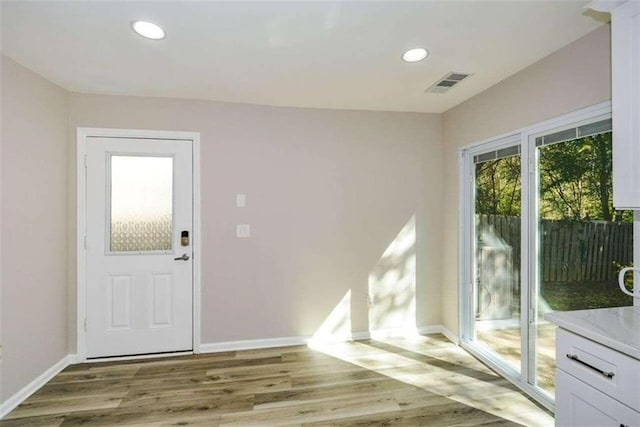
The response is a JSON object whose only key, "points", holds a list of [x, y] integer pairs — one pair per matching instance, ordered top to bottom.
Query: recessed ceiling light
{"points": [[148, 30], [415, 55]]}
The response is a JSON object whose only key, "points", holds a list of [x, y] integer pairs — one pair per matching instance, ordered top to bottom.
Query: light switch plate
{"points": [[241, 200], [243, 231]]}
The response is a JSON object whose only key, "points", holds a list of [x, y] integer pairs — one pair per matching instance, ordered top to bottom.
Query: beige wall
{"points": [[577, 76], [35, 116], [327, 192]]}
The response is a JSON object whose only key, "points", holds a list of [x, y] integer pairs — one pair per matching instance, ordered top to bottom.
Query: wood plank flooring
{"points": [[405, 381]]}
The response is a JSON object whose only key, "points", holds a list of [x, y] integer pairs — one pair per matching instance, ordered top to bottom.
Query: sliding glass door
{"points": [[497, 204], [539, 234], [581, 241]]}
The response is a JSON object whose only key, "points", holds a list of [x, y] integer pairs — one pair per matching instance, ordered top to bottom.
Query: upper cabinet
{"points": [[625, 62]]}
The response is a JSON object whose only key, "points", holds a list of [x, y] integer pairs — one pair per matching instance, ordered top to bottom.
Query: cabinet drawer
{"points": [[607, 370], [578, 404]]}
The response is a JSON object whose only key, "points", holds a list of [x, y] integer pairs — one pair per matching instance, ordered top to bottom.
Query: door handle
{"points": [[184, 257], [575, 358]]}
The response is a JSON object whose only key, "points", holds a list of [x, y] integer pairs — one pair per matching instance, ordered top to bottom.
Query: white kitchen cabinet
{"points": [[625, 87], [598, 367], [595, 385], [578, 404]]}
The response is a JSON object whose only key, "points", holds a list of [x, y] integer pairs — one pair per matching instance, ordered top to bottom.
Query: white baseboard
{"points": [[439, 329], [409, 332], [359, 336], [302, 340], [268, 343], [253, 344], [11, 403]]}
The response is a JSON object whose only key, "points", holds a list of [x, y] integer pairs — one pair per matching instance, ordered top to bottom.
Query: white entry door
{"points": [[139, 252]]}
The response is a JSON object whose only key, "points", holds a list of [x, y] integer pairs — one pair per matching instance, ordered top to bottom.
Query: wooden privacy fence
{"points": [[571, 251]]}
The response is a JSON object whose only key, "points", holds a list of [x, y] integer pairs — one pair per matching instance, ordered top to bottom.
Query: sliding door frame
{"points": [[534, 240], [468, 261], [526, 379]]}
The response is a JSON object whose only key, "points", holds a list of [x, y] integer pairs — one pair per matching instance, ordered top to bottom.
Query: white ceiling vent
{"points": [[446, 83]]}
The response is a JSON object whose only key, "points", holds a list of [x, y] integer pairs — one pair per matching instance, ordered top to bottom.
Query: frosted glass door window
{"points": [[141, 204]]}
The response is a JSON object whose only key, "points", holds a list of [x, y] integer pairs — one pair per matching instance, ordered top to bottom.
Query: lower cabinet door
{"points": [[579, 404]]}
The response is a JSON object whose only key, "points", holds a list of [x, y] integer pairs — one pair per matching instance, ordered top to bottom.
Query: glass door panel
{"points": [[497, 197], [582, 242]]}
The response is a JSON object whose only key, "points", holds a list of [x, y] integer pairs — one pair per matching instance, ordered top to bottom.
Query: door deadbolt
{"points": [[184, 238]]}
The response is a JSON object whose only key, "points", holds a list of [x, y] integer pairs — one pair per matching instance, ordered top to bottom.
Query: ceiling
{"points": [[330, 54]]}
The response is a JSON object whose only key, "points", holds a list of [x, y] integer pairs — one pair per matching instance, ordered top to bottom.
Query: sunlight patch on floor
{"points": [[471, 384]]}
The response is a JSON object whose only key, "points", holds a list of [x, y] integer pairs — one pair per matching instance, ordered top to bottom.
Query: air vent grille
{"points": [[447, 82]]}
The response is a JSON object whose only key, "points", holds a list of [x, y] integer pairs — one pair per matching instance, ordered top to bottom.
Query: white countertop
{"points": [[618, 328]]}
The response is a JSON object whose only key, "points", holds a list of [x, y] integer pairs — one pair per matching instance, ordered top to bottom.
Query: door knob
{"points": [[184, 257]]}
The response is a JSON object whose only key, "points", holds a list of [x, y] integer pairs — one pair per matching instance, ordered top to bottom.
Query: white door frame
{"points": [[81, 255]]}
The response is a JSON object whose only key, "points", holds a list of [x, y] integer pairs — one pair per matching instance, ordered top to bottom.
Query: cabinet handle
{"points": [[575, 358]]}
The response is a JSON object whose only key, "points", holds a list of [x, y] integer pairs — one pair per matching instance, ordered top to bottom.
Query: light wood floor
{"points": [[417, 381]]}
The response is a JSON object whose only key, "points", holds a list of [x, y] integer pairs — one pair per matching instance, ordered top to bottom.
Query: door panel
{"points": [[497, 190], [139, 200], [582, 241], [119, 294], [161, 297]]}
